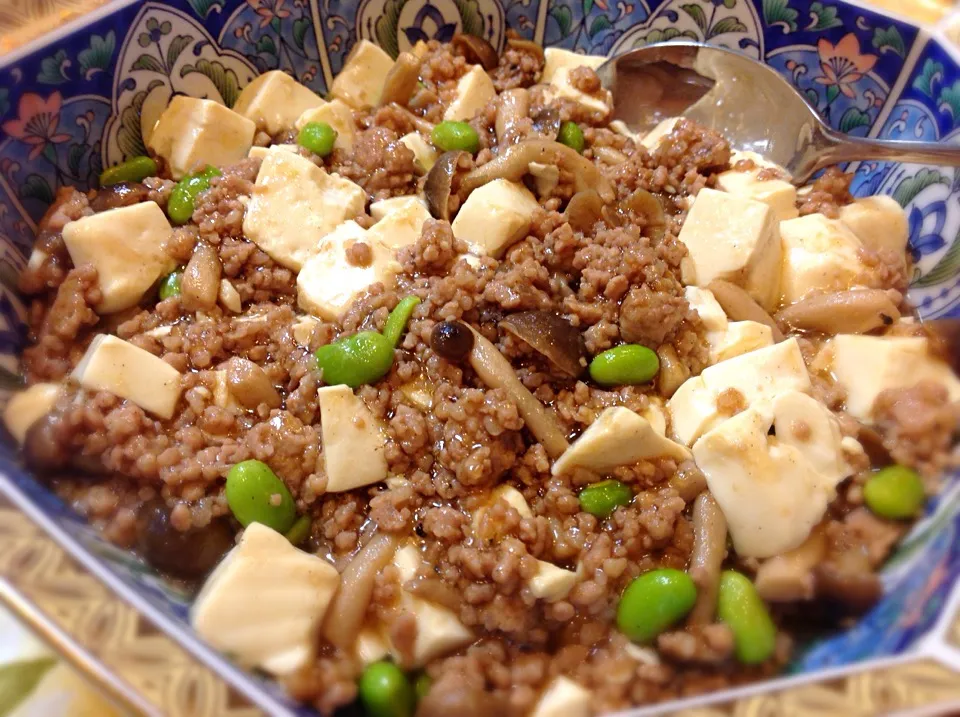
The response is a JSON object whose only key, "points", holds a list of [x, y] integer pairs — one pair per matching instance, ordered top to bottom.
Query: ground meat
{"points": [[518, 67], [379, 163], [828, 193], [219, 210], [359, 254], [918, 424], [707, 644]]}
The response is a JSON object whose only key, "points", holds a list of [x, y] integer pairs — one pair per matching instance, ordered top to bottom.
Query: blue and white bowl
{"points": [[70, 104]]}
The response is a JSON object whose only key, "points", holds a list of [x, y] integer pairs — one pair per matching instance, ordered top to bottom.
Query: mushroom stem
{"points": [[740, 306], [855, 311], [709, 549]]}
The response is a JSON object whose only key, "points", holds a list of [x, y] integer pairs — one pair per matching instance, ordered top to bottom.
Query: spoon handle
{"points": [[836, 148]]}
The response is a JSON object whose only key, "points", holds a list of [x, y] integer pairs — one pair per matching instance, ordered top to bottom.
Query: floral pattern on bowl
{"points": [[72, 104]]}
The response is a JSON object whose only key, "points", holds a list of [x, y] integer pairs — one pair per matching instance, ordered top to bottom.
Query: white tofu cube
{"points": [[556, 60], [558, 65], [360, 82], [474, 90], [275, 100], [339, 116], [620, 127], [192, 133], [651, 140], [262, 152], [424, 154], [762, 162], [546, 177], [779, 195], [295, 204], [378, 210], [495, 216], [879, 223], [401, 226], [734, 239], [126, 247], [818, 254], [328, 283], [706, 305], [302, 329], [741, 337], [867, 365], [118, 367], [758, 376], [28, 406], [806, 424], [619, 437], [353, 440], [771, 494], [511, 496], [265, 570], [551, 583], [372, 645], [564, 698]]}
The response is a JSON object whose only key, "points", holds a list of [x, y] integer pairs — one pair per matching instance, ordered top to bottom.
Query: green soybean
{"points": [[449, 135], [571, 135], [318, 137], [133, 170], [183, 198], [170, 286], [398, 318], [355, 360], [624, 365], [894, 492], [256, 495], [601, 499], [299, 531], [653, 602], [739, 605], [422, 685], [386, 692]]}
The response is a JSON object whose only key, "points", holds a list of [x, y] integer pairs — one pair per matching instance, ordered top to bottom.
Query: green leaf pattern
{"points": [[779, 12], [222, 77]]}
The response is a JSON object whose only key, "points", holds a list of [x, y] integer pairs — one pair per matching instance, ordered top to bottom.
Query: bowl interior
{"points": [[72, 103]]}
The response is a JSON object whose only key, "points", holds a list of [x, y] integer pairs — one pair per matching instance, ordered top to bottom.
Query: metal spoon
{"points": [[749, 103]]}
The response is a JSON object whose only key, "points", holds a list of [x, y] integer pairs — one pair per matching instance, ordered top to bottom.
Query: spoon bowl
{"points": [[748, 102]]}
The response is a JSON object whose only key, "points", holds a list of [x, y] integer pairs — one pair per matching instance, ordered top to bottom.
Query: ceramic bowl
{"points": [[71, 103]]}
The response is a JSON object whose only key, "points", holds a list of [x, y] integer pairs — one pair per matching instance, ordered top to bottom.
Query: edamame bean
{"points": [[571, 135], [448, 136], [318, 137], [133, 170], [183, 198], [170, 286], [398, 318], [355, 360], [624, 365], [894, 492], [256, 495], [601, 499], [300, 530], [653, 602], [739, 605], [422, 686], [385, 691]]}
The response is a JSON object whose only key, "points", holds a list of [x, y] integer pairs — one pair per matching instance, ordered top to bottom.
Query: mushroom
{"points": [[529, 46], [476, 50], [401, 80], [512, 108], [546, 123], [423, 126], [514, 162], [438, 185], [122, 194], [640, 203], [584, 210], [738, 305], [854, 311], [552, 336], [709, 550], [183, 554], [789, 577]]}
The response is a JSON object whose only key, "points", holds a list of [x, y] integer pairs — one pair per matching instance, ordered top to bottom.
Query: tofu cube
{"points": [[557, 61], [558, 64], [360, 82], [474, 90], [275, 100], [339, 116], [621, 127], [192, 133], [651, 140], [262, 152], [424, 154], [779, 195], [295, 204], [378, 210], [495, 216], [879, 223], [401, 226], [734, 239], [126, 247], [818, 254], [328, 283], [706, 305], [303, 328], [741, 337], [867, 365], [118, 367], [758, 376], [28, 406], [806, 424], [619, 437], [353, 440], [511, 496], [264, 569], [551, 583], [372, 645], [564, 698]]}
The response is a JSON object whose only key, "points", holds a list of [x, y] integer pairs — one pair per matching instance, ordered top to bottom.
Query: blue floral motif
{"points": [[429, 24], [926, 237]]}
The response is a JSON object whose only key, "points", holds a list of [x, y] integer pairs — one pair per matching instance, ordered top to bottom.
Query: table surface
{"points": [[70, 647]]}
